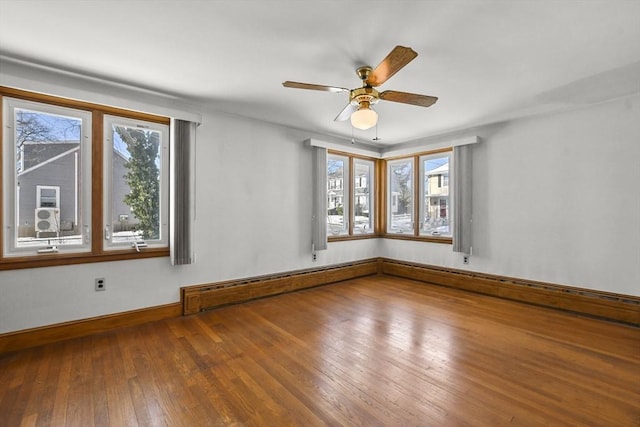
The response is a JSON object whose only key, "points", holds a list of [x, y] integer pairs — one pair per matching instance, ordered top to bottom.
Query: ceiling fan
{"points": [[363, 98]]}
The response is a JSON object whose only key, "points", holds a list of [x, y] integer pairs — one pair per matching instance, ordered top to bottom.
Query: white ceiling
{"points": [[486, 60]]}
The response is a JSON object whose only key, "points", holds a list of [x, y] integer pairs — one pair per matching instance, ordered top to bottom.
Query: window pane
{"points": [[47, 188], [337, 195], [363, 196], [400, 197], [435, 203], [135, 204]]}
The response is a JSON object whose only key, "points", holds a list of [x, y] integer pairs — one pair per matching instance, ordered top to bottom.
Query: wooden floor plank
{"points": [[374, 351], [120, 410]]}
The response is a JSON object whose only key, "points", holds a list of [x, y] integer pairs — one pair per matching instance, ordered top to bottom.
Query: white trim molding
{"points": [[49, 80], [412, 148]]}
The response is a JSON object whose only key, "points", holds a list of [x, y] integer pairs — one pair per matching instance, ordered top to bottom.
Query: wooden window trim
{"points": [[81, 105], [376, 166], [381, 199], [433, 239], [97, 252], [53, 260]]}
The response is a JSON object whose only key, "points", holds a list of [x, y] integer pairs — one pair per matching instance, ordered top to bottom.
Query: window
{"points": [[136, 164], [47, 176], [80, 179], [363, 190], [337, 194], [350, 195], [401, 195], [47, 196], [429, 200], [435, 215]]}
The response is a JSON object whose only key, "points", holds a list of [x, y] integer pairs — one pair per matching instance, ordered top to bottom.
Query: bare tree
{"points": [[30, 128], [40, 128]]}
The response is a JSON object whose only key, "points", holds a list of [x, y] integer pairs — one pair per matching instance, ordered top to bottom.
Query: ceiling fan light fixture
{"points": [[364, 118]]}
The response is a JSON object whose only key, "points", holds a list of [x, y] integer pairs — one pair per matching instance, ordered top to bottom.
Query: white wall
{"points": [[556, 199], [253, 203], [253, 217]]}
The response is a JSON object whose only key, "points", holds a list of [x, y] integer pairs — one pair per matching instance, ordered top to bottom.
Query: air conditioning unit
{"points": [[47, 220]]}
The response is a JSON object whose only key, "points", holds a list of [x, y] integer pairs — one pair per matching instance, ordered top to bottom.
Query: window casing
{"points": [[55, 188]]}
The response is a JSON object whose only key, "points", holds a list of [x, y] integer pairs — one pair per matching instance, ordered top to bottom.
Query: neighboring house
{"points": [[48, 179], [335, 193], [361, 196], [436, 199], [437, 202]]}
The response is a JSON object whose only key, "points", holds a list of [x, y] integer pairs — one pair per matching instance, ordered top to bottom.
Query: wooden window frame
{"points": [[376, 194], [381, 199], [416, 200], [97, 252]]}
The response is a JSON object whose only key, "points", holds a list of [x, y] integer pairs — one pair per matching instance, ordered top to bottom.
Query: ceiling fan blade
{"points": [[394, 62], [297, 85], [408, 98], [346, 112]]}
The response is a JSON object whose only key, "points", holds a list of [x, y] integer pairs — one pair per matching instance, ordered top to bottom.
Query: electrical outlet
{"points": [[314, 257], [465, 259], [100, 284]]}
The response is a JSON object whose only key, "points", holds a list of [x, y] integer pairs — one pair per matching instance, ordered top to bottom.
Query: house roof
{"points": [[38, 153], [440, 169]]}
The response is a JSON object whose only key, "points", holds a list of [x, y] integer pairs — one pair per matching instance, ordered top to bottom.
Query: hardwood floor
{"points": [[375, 351]]}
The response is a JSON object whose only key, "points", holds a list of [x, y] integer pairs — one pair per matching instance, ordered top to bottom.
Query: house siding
{"points": [[61, 173]]}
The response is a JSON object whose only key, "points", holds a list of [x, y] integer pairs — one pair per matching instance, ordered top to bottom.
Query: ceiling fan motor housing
{"points": [[363, 72], [364, 94]]}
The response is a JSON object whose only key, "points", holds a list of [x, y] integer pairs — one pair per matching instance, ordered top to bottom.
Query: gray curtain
{"points": [[462, 191], [182, 197], [319, 213]]}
